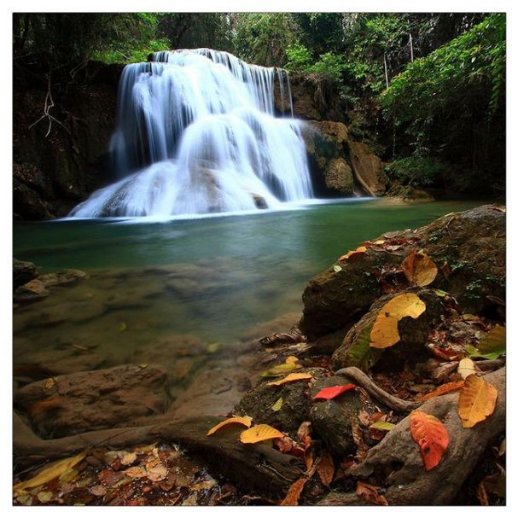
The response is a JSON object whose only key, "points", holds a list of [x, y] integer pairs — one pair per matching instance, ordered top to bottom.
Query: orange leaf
{"points": [[350, 254], [419, 269], [384, 332], [292, 377], [450, 387], [477, 400], [235, 420], [259, 433], [304, 434], [431, 436], [325, 469], [294, 492], [370, 494]]}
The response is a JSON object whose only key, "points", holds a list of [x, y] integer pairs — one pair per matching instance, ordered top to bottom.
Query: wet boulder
{"points": [[368, 168], [23, 272], [93, 400]]}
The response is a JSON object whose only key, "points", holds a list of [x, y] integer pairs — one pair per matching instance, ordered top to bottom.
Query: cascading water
{"points": [[196, 133]]}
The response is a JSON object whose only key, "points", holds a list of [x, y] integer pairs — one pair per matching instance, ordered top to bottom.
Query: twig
{"points": [[397, 404]]}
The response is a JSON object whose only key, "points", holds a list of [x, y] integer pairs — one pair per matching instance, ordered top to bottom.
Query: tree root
{"points": [[397, 404], [397, 458], [257, 467]]}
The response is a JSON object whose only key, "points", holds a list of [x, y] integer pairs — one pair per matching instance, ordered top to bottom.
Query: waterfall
{"points": [[197, 133]]}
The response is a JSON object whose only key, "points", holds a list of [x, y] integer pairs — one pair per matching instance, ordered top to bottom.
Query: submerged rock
{"points": [[23, 272], [93, 400]]}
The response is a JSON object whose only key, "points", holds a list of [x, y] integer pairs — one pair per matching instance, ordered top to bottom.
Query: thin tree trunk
{"points": [[386, 71]]}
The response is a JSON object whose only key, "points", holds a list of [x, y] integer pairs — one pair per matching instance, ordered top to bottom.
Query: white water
{"points": [[196, 133]]}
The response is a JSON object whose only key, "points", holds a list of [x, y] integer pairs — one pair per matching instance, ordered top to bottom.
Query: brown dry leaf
{"points": [[351, 254], [419, 269], [384, 332], [466, 367], [292, 377], [49, 383], [450, 387], [477, 401], [235, 420], [259, 433], [304, 434], [357, 436], [128, 458], [308, 459], [325, 469], [51, 471], [136, 472], [156, 472], [98, 490], [294, 492], [370, 494], [481, 495]]}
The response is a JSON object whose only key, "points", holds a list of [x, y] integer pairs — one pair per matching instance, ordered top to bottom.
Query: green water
{"points": [[155, 288]]}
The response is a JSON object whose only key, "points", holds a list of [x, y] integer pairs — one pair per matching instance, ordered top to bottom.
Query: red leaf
{"points": [[332, 392], [431, 436]]}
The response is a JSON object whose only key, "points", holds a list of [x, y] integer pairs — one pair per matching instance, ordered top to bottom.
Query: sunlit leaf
{"points": [[351, 254], [419, 269], [385, 329], [493, 344], [360, 353], [289, 365], [466, 367], [292, 377], [450, 387], [332, 392], [477, 401], [277, 406], [235, 420], [383, 425], [259, 433], [431, 436], [325, 469], [50, 472], [294, 492]]}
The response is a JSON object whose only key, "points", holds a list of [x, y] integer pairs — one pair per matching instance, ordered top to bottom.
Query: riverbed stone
{"points": [[23, 272], [32, 291], [93, 400], [258, 402], [332, 419]]}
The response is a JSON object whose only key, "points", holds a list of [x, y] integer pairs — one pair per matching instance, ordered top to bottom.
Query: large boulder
{"points": [[468, 249], [93, 400]]}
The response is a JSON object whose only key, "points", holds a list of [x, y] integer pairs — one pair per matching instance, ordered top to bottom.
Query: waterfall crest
{"points": [[196, 133]]}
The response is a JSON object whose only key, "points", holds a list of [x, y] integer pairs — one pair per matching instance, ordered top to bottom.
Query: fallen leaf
{"points": [[351, 254], [337, 268], [419, 269], [440, 293], [385, 329], [493, 344], [360, 353], [443, 353], [466, 367], [280, 369], [292, 377], [49, 383], [450, 387], [332, 392], [477, 401], [277, 406], [235, 420], [383, 425], [259, 433], [304, 434], [431, 436], [128, 459], [308, 459], [325, 469], [54, 470], [136, 472], [156, 472], [98, 490], [294, 492], [370, 494], [481, 495], [45, 496]]}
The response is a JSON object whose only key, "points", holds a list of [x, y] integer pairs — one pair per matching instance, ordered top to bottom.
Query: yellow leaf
{"points": [[350, 254], [419, 269], [384, 332], [466, 367], [280, 369], [292, 377], [477, 401], [277, 406], [235, 420], [383, 425], [260, 433], [50, 472]]}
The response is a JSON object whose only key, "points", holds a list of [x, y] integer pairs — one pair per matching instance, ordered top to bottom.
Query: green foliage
{"points": [[298, 58], [416, 171]]}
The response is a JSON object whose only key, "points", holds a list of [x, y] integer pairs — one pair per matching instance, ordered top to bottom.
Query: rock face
{"points": [[368, 168], [54, 169], [469, 247], [93, 400]]}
